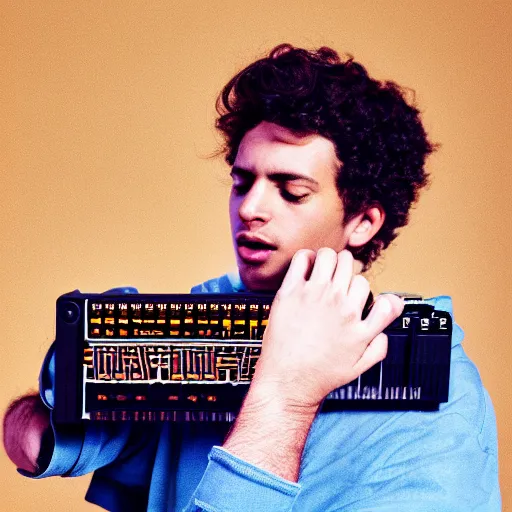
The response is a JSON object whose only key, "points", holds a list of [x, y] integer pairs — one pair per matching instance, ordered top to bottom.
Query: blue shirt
{"points": [[443, 461]]}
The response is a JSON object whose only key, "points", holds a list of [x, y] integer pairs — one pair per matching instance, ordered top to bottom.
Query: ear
{"points": [[363, 227]]}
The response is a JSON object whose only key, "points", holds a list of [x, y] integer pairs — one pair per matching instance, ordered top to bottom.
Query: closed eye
{"points": [[242, 185], [241, 188], [292, 198]]}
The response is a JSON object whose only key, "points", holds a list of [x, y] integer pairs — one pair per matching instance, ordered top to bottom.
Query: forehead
{"points": [[270, 147]]}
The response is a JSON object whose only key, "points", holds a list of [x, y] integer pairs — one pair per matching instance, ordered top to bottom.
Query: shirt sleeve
{"points": [[81, 449], [230, 484]]}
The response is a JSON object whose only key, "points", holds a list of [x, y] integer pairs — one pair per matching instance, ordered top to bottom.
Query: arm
{"points": [[301, 362], [69, 450]]}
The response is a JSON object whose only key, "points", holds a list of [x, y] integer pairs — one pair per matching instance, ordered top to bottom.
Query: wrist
{"points": [[291, 393], [267, 397], [270, 431]]}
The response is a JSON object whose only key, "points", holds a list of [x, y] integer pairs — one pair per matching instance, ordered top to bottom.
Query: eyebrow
{"points": [[276, 176]]}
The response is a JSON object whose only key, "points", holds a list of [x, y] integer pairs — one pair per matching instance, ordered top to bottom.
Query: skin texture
{"points": [[316, 278]]}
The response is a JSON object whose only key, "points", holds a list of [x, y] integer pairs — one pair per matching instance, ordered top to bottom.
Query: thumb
{"points": [[375, 352]]}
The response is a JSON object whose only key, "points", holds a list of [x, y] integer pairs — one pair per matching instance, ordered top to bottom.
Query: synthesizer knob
{"points": [[69, 312]]}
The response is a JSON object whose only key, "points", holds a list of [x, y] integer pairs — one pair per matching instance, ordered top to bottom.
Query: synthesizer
{"points": [[191, 357]]}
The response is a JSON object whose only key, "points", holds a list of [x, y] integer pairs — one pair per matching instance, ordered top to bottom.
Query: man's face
{"points": [[283, 199]]}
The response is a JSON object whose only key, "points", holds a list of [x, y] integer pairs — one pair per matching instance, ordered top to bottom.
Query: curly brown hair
{"points": [[377, 134]]}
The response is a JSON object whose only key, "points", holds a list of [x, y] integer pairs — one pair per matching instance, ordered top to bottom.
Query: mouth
{"points": [[254, 251]]}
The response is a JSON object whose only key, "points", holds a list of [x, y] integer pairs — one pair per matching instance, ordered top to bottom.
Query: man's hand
{"points": [[316, 340], [24, 424]]}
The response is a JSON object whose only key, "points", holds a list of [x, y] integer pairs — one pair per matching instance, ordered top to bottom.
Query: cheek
{"points": [[316, 231], [303, 232]]}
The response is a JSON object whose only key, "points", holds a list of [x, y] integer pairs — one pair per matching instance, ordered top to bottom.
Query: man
{"points": [[326, 163]]}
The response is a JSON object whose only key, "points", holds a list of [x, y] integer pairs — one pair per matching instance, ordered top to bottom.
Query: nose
{"points": [[255, 205]]}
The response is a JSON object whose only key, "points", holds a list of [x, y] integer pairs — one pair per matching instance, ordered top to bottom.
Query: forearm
{"points": [[24, 425], [270, 432], [258, 465]]}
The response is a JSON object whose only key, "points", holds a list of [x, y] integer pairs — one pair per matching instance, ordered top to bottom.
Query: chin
{"points": [[262, 284]]}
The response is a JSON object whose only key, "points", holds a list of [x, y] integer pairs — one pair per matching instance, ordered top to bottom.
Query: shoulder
{"points": [[468, 397], [439, 460]]}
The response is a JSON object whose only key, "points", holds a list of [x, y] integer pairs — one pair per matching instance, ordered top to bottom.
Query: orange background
{"points": [[107, 112]]}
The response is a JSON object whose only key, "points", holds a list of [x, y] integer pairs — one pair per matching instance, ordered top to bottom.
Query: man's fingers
{"points": [[325, 265], [299, 270], [344, 271], [358, 291], [386, 308], [375, 352]]}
